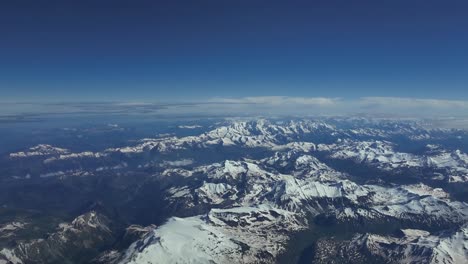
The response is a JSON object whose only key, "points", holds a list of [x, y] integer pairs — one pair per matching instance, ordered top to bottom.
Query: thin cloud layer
{"points": [[280, 100], [414, 102], [245, 106], [388, 106], [416, 107]]}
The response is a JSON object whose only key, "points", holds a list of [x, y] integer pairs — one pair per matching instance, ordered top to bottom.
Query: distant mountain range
{"points": [[328, 190]]}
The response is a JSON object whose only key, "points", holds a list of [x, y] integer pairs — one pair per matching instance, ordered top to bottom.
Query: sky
{"points": [[163, 51]]}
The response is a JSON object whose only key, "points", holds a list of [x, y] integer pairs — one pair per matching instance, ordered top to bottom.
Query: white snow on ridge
{"points": [[261, 133], [298, 146], [40, 150], [86, 154], [381, 154], [302, 166], [233, 170], [68, 173], [422, 189], [215, 193], [12, 226], [9, 229], [234, 235], [183, 240], [418, 246], [451, 249], [10, 257]]}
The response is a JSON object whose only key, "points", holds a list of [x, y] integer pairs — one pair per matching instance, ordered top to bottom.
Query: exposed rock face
{"points": [[84, 235]]}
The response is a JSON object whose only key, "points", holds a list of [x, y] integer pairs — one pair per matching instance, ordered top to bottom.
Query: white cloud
{"points": [[279, 100], [398, 102], [386, 106], [412, 107]]}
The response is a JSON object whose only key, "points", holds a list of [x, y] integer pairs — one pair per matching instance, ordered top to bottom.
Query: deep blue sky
{"points": [[154, 50]]}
